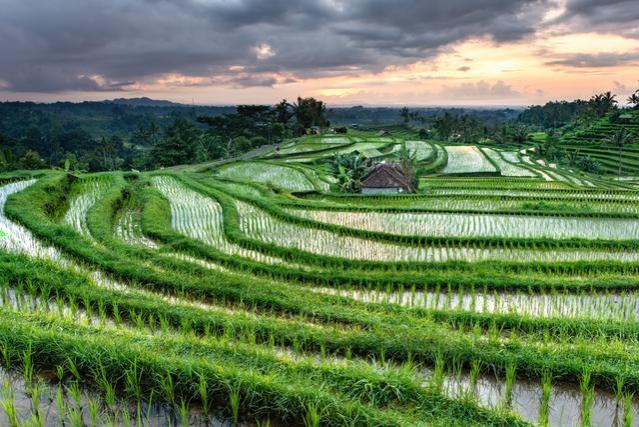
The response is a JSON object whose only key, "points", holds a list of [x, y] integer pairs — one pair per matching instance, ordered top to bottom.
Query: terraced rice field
{"points": [[335, 140], [362, 147], [300, 148], [421, 149], [467, 159], [507, 164], [281, 176], [85, 194], [612, 196], [513, 205], [200, 218], [473, 225], [15, 237], [227, 298], [593, 306]]}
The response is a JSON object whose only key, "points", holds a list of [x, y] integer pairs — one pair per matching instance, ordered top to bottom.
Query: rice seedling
{"points": [[567, 194], [548, 203], [617, 306], [511, 370], [546, 387], [204, 393], [234, 403], [8, 404], [628, 412], [312, 417]]}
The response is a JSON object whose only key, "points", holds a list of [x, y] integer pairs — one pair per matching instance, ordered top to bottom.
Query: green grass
{"points": [[230, 291]]}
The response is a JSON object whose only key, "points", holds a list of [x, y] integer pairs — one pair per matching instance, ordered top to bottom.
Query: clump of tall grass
{"points": [[546, 392]]}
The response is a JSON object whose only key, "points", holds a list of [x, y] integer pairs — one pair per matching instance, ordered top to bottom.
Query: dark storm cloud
{"points": [[604, 11], [617, 16], [430, 24], [93, 45], [600, 60], [45, 79], [251, 80]]}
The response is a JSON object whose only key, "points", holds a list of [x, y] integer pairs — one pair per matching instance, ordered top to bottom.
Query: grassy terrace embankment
{"points": [[256, 292]]}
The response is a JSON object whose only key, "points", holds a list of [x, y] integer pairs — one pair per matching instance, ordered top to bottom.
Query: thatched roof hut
{"points": [[386, 178]]}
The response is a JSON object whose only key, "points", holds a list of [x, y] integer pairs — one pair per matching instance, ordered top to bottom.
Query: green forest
{"points": [[130, 135]]}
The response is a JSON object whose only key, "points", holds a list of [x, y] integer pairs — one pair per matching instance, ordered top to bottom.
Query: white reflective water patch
{"points": [[466, 159], [479, 225]]}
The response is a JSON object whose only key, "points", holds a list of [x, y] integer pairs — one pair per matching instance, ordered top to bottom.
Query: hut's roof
{"points": [[387, 175]]}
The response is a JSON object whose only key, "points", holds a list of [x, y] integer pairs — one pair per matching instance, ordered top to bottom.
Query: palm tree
{"points": [[609, 100], [634, 100], [602, 103], [619, 139], [408, 163]]}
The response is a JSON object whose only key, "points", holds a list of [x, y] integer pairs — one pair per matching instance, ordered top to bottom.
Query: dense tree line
{"points": [[553, 114], [557, 114], [417, 116], [566, 118], [469, 129], [91, 136], [100, 136]]}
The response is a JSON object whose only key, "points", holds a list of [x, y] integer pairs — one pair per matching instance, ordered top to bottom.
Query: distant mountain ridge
{"points": [[144, 102]]}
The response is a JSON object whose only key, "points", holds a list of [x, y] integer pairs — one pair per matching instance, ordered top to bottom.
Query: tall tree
{"points": [[633, 100], [602, 103], [284, 112], [310, 112], [404, 113], [247, 123], [444, 126], [469, 129], [519, 134], [147, 135], [620, 139], [179, 144], [107, 149], [32, 160], [408, 164]]}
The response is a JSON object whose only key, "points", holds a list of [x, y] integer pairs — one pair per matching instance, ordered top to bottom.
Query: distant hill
{"points": [[143, 102]]}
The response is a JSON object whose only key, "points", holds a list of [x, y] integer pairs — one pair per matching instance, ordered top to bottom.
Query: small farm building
{"points": [[386, 178]]}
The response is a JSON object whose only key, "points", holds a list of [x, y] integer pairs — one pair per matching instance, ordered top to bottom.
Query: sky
{"points": [[345, 52]]}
